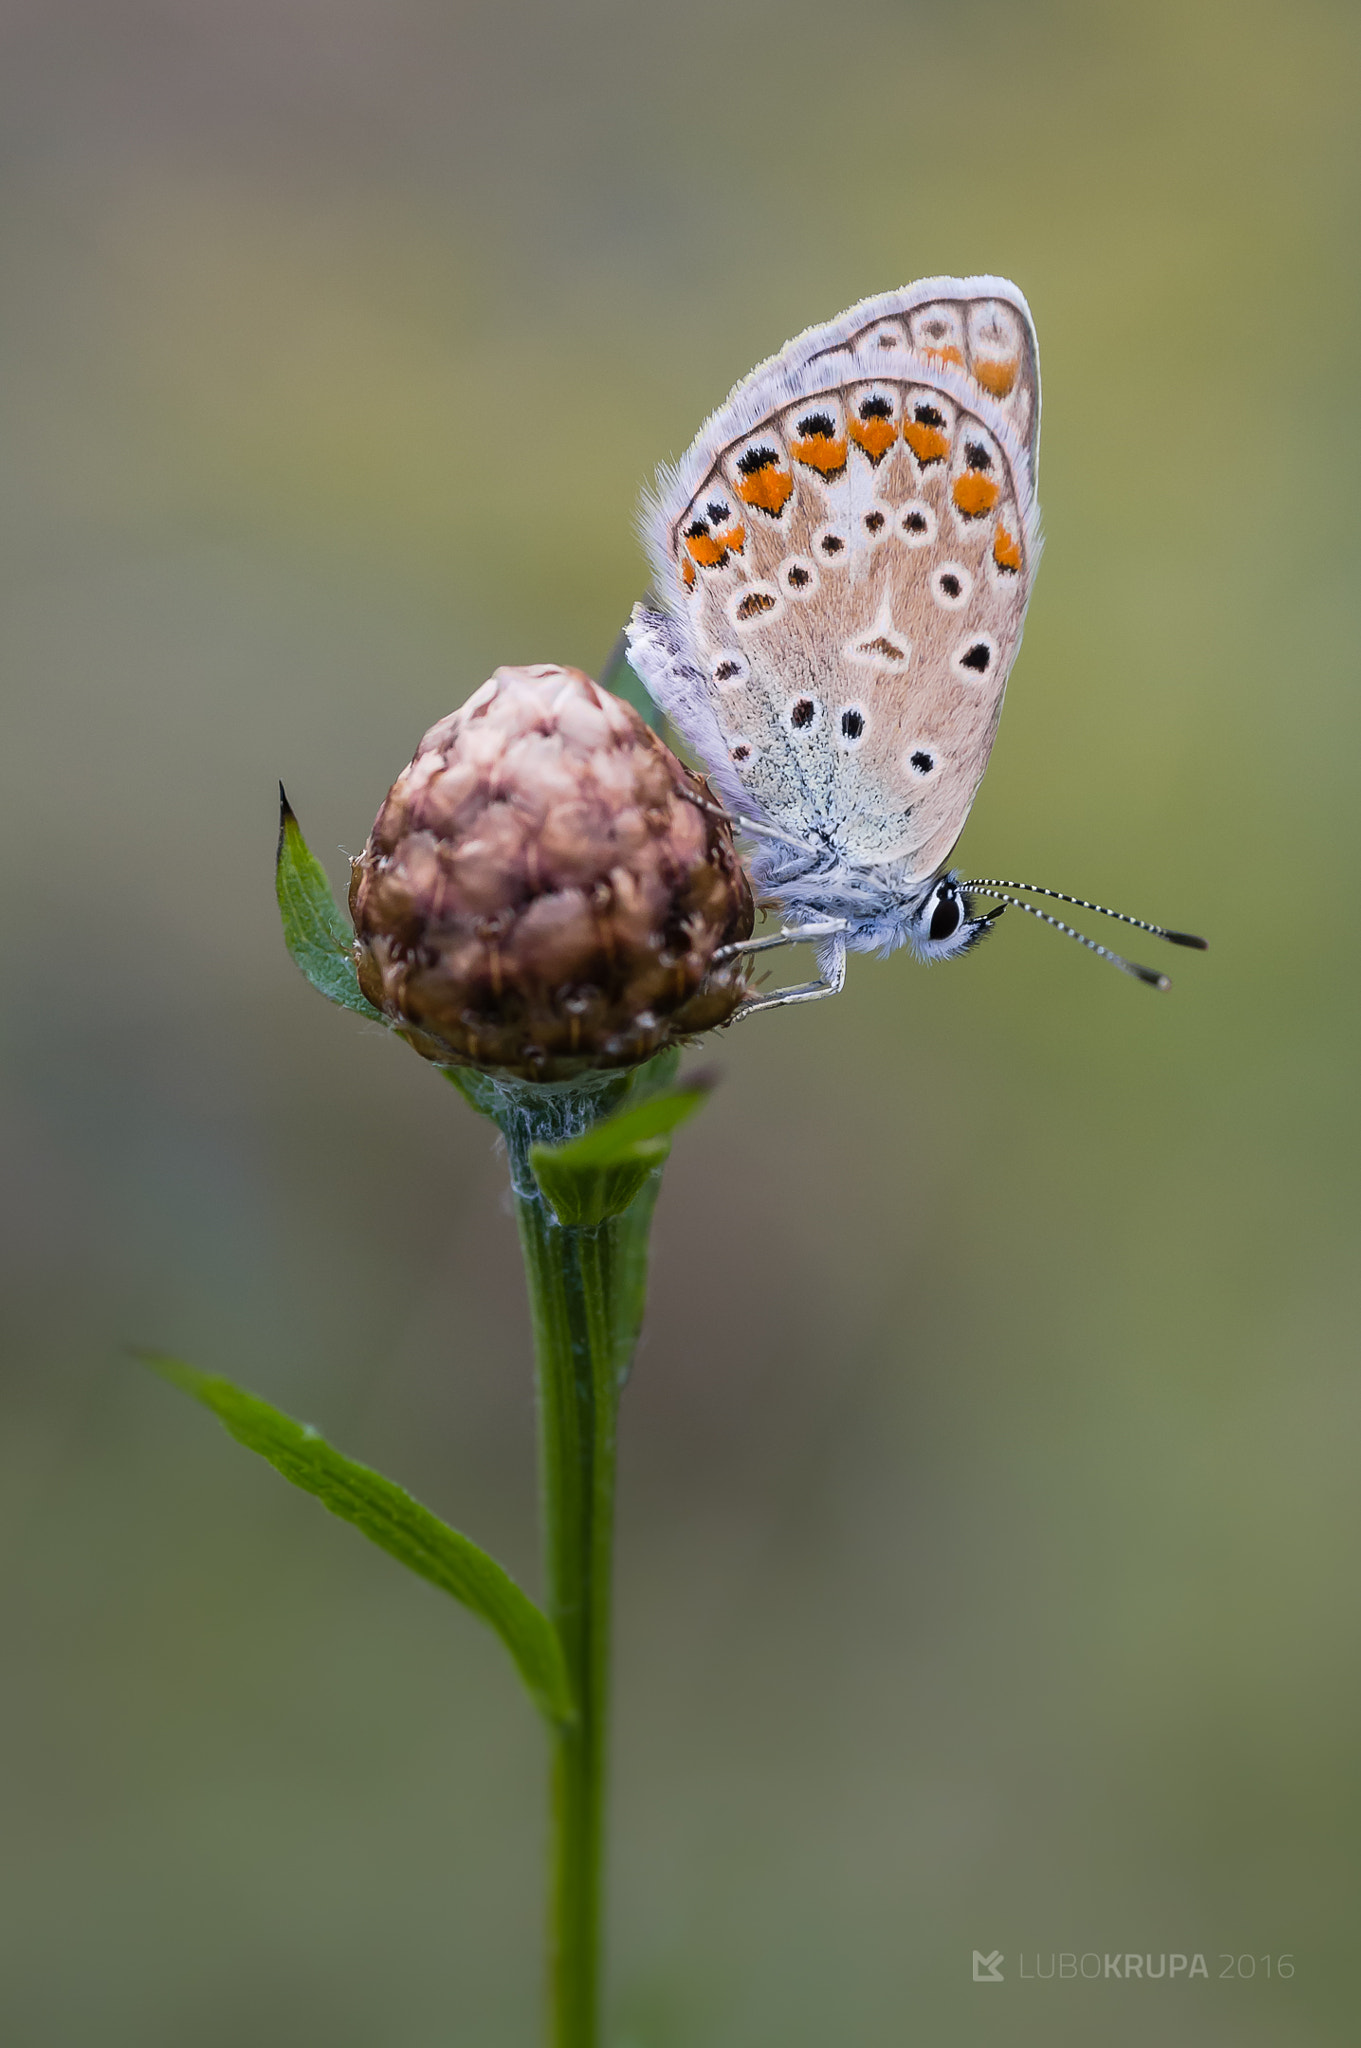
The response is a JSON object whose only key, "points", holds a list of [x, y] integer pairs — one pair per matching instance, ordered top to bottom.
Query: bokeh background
{"points": [[989, 1527]]}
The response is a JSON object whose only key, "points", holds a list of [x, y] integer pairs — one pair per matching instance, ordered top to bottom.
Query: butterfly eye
{"points": [[947, 915]]}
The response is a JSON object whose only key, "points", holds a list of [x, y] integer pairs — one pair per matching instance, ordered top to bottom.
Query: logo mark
{"points": [[987, 1969]]}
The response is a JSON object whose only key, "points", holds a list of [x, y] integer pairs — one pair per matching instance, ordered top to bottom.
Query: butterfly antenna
{"points": [[1159, 931], [1148, 974]]}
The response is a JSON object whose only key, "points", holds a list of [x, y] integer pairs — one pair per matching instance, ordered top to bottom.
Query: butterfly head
{"points": [[941, 924]]}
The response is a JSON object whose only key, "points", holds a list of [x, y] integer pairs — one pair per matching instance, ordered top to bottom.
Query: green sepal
{"points": [[316, 930], [577, 1103], [601, 1173], [389, 1517]]}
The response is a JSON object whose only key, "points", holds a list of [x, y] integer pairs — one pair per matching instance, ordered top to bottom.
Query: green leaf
{"points": [[316, 931], [655, 1077], [599, 1174], [389, 1517]]}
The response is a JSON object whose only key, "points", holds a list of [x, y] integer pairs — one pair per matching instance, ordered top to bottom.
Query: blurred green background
{"points": [[989, 1525]]}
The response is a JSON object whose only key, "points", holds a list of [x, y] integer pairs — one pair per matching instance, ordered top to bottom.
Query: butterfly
{"points": [[843, 559]]}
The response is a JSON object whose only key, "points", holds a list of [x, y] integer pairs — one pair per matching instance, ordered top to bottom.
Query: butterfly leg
{"points": [[741, 823], [788, 935], [832, 983]]}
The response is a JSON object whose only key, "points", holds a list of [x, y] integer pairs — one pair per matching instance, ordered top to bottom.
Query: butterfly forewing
{"points": [[980, 326], [846, 552], [851, 577]]}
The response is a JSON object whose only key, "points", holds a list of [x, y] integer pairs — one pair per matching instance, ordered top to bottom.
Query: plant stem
{"points": [[568, 1273], [586, 1291]]}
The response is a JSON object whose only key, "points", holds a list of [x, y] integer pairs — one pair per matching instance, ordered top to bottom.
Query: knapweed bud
{"points": [[541, 893]]}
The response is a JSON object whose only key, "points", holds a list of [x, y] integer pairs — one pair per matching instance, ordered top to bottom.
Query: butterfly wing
{"points": [[845, 554]]}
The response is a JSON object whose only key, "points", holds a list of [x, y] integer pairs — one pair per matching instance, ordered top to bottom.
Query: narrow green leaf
{"points": [[316, 930], [655, 1077], [633, 1133], [600, 1173], [632, 1232], [389, 1517]]}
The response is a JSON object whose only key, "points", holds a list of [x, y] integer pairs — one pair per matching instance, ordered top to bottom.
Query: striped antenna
{"points": [[1159, 931], [1148, 974]]}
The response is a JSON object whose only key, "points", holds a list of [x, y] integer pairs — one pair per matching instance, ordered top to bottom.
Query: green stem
{"points": [[568, 1272], [586, 1291]]}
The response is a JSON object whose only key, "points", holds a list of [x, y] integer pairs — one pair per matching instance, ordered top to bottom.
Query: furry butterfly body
{"points": [[844, 557]]}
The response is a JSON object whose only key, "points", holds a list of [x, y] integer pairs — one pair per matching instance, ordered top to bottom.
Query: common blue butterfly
{"points": [[843, 559]]}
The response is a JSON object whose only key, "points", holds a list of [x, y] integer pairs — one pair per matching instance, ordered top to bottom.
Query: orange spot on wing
{"points": [[944, 355], [995, 375], [875, 436], [928, 444], [821, 452], [769, 490], [975, 494], [734, 537], [708, 549], [1006, 550], [687, 569]]}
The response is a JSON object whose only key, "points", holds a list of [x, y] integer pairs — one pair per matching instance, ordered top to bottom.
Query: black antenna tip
{"points": [[1188, 939], [1150, 975]]}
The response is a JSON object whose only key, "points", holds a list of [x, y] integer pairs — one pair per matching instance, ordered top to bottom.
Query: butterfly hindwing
{"points": [[846, 554]]}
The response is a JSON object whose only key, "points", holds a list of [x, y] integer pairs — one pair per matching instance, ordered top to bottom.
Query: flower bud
{"points": [[542, 892]]}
